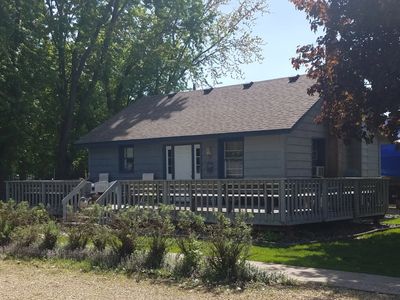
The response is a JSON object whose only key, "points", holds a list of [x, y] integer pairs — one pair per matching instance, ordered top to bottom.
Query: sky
{"points": [[282, 29]]}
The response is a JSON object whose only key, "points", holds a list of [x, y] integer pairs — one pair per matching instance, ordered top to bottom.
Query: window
{"points": [[318, 154], [233, 156], [127, 159], [168, 159], [197, 161]]}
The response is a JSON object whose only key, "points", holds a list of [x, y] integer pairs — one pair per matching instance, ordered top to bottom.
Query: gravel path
{"points": [[24, 280]]}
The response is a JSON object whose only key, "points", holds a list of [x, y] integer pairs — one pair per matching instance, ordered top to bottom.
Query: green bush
{"points": [[13, 216], [124, 224], [158, 226], [190, 226], [51, 232], [25, 236], [101, 236], [78, 237], [230, 242]]}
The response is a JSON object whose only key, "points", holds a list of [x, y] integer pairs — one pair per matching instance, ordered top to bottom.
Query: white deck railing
{"points": [[50, 193], [270, 201]]}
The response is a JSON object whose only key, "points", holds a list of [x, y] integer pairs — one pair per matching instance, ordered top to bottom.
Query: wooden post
{"points": [[7, 191], [42, 192], [118, 192], [165, 192], [219, 199], [356, 199], [324, 200], [282, 201], [64, 207]]}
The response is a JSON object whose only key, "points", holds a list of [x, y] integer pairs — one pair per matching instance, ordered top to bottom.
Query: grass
{"points": [[393, 221], [375, 253]]}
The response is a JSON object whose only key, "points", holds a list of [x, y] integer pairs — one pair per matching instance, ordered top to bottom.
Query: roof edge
{"points": [[224, 135]]}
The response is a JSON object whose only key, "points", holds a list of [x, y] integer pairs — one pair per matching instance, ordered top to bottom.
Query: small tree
{"points": [[355, 65], [124, 224], [190, 226], [159, 228], [230, 244]]}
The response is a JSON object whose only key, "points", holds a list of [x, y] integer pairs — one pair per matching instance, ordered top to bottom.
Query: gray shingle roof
{"points": [[267, 105]]}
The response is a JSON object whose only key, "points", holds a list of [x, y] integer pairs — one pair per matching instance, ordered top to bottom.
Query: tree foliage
{"points": [[67, 65], [356, 65]]}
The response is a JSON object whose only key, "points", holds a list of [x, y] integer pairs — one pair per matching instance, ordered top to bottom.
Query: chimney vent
{"points": [[247, 85]]}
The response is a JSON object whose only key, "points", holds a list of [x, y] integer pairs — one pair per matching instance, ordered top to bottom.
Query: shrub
{"points": [[13, 215], [124, 224], [158, 226], [190, 227], [5, 232], [51, 232], [25, 236], [101, 236], [78, 237], [230, 244]]}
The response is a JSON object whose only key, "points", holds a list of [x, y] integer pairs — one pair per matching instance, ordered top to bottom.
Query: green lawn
{"points": [[394, 221], [376, 253]]}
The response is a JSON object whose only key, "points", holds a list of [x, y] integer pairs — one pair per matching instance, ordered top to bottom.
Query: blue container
{"points": [[390, 160]]}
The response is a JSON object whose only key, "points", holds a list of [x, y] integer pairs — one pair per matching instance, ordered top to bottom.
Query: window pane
{"points": [[129, 152], [128, 159], [234, 159], [198, 160], [169, 162], [234, 168]]}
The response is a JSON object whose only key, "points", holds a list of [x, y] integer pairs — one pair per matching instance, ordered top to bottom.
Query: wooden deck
{"points": [[270, 201]]}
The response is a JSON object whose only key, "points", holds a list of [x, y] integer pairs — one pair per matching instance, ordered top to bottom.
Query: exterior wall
{"points": [[299, 145], [263, 156], [149, 158], [105, 159], [349, 159], [359, 159], [370, 159]]}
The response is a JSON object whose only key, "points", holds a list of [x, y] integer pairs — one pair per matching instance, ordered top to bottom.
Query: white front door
{"points": [[183, 162]]}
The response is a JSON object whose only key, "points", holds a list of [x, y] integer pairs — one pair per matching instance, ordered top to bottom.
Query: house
{"points": [[256, 130]]}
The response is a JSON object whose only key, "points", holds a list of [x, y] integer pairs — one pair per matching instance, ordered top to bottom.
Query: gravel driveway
{"points": [[24, 280]]}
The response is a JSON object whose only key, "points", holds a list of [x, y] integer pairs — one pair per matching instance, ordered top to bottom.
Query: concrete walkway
{"points": [[356, 281]]}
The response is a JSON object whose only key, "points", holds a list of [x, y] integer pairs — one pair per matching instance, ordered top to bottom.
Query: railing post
{"points": [[7, 191], [43, 192], [118, 192], [165, 192], [219, 199], [324, 199], [356, 199], [282, 201], [64, 206]]}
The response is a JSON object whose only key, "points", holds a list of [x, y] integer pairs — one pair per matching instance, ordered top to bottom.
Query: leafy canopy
{"points": [[355, 64], [67, 65]]}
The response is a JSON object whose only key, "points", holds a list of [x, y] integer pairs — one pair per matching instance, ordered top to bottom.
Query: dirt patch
{"points": [[24, 280]]}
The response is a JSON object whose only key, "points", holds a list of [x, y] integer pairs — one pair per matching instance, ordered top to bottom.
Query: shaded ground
{"points": [[43, 281]]}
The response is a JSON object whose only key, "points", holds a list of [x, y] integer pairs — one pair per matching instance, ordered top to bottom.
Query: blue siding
{"points": [[149, 158], [390, 161]]}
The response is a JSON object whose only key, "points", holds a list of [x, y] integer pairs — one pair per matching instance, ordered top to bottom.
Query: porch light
{"points": [[208, 151]]}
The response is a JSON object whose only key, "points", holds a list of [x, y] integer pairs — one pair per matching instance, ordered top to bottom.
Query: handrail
{"points": [[43, 181], [109, 190], [72, 194]]}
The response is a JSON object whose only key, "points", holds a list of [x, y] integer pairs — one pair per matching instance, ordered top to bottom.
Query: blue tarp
{"points": [[390, 160]]}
